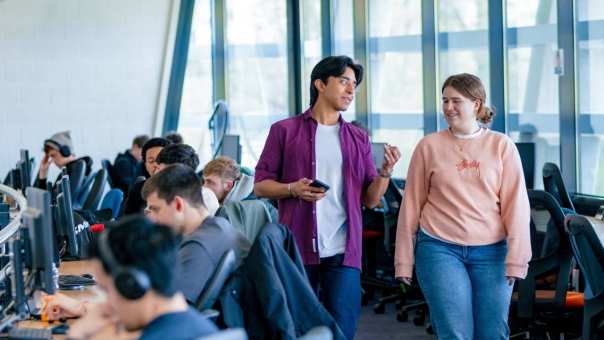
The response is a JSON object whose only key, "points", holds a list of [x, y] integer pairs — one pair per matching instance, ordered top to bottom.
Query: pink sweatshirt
{"points": [[468, 192]]}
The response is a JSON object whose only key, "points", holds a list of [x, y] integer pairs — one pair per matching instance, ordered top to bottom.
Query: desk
{"points": [[598, 227], [91, 293]]}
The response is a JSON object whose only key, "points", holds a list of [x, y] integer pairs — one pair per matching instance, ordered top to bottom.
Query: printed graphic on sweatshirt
{"points": [[468, 168]]}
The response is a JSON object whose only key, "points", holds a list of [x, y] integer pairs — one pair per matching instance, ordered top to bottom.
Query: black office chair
{"points": [[526, 150], [106, 164], [553, 184], [93, 199], [589, 253], [212, 290], [543, 303]]}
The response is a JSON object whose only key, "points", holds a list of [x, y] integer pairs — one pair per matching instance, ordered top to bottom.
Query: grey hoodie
{"points": [[242, 189]]}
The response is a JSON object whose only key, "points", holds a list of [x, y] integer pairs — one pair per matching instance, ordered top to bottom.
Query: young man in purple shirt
{"points": [[326, 224]]}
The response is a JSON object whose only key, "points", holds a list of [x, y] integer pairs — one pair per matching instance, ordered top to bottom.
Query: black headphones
{"points": [[64, 150], [130, 282]]}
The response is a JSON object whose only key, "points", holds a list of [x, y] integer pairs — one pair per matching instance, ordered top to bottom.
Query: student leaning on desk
{"points": [[135, 263]]}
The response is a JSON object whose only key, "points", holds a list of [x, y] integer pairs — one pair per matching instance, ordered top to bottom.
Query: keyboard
{"points": [[67, 282], [30, 334]]}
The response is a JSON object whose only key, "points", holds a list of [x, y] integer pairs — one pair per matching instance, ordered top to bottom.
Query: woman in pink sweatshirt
{"points": [[465, 218]]}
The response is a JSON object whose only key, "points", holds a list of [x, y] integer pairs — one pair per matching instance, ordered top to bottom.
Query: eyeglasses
{"points": [[151, 160]]}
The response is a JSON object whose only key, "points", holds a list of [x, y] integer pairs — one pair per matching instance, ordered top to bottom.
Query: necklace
{"points": [[462, 140]]}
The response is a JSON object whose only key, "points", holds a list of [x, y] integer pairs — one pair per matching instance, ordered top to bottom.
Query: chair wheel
{"points": [[379, 308], [402, 316], [418, 320], [429, 329]]}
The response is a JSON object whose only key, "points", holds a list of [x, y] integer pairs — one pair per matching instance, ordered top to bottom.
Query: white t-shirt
{"points": [[331, 210]]}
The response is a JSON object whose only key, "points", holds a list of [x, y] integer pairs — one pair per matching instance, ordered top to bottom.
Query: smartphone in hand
{"points": [[318, 184]]}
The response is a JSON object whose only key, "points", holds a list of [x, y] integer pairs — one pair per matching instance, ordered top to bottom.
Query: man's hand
{"points": [[391, 156], [44, 164], [303, 190], [60, 306], [98, 316]]}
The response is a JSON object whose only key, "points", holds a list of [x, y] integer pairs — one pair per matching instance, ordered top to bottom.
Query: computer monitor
{"points": [[231, 147], [377, 153], [527, 157], [25, 166], [37, 219], [66, 226]]}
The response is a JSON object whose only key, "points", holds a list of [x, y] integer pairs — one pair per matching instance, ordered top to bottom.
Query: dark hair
{"points": [[332, 66], [470, 86], [174, 137], [140, 140], [152, 143], [178, 153], [175, 180], [152, 248]]}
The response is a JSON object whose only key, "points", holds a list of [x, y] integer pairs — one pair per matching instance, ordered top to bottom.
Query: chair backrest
{"points": [[106, 164], [77, 174], [553, 183], [96, 191], [113, 200], [78, 201], [588, 251], [552, 255], [223, 271], [227, 334]]}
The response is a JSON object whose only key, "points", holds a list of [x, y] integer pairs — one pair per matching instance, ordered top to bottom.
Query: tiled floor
{"points": [[385, 326]]}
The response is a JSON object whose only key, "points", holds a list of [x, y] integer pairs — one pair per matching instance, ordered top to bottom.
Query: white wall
{"points": [[94, 67]]}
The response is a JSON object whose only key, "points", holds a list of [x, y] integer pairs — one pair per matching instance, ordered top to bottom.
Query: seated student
{"points": [[58, 149], [126, 164], [223, 176], [174, 199], [134, 202], [149, 302]]}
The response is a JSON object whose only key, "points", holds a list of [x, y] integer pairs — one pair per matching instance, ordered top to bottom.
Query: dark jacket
{"points": [[125, 170], [42, 183], [134, 202], [269, 295]]}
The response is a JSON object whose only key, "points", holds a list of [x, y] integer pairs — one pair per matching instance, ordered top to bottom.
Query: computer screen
{"points": [[231, 148], [377, 152], [527, 157], [24, 166], [37, 220], [66, 227]]}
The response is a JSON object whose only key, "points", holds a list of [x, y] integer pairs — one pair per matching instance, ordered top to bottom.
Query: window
{"points": [[310, 19], [343, 38], [532, 42], [257, 72], [395, 77], [196, 104], [590, 125]]}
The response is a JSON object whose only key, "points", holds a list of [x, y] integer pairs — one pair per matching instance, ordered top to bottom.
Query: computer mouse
{"points": [[88, 276]]}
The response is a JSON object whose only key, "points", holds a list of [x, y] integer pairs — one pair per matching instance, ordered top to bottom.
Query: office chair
{"points": [[526, 150], [106, 164], [553, 184], [84, 191], [96, 191], [113, 200], [589, 253], [211, 291], [543, 302]]}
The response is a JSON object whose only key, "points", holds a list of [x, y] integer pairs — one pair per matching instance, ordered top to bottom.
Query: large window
{"points": [[310, 21], [343, 38], [463, 42], [590, 61], [257, 72], [395, 77], [533, 79], [196, 104]]}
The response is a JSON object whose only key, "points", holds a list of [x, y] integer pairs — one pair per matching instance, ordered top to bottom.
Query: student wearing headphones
{"points": [[58, 149], [136, 263]]}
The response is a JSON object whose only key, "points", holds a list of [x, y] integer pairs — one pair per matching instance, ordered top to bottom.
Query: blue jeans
{"points": [[465, 287], [340, 291]]}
